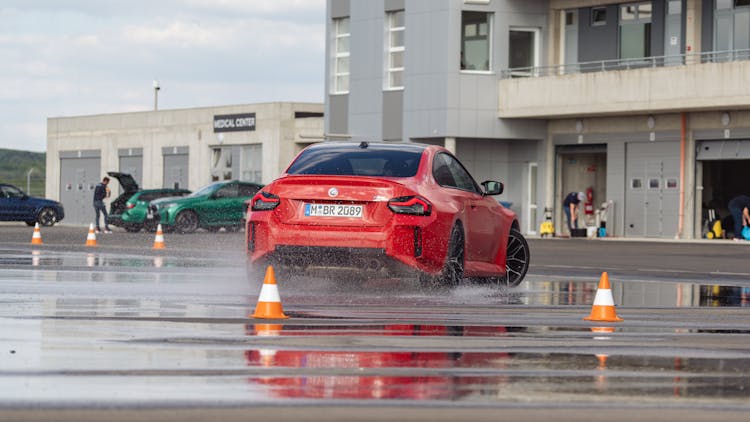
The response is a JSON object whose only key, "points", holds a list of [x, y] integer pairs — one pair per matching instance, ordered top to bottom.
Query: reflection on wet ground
{"points": [[106, 267], [77, 328]]}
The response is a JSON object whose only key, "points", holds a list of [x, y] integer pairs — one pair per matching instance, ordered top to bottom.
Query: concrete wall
{"points": [[657, 90], [276, 129]]}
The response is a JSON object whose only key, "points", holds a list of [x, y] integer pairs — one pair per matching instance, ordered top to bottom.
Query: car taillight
{"points": [[264, 201], [413, 205], [129, 206]]}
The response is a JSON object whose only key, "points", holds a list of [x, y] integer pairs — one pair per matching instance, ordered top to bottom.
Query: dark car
{"points": [[220, 204], [16, 205], [130, 209]]}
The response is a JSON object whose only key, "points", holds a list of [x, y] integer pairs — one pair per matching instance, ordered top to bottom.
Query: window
{"points": [[740, 3], [674, 7], [598, 16], [635, 30], [395, 41], [475, 41], [522, 50], [341, 56], [345, 160], [251, 163], [450, 173], [636, 183], [654, 183], [671, 183], [228, 191], [532, 205]]}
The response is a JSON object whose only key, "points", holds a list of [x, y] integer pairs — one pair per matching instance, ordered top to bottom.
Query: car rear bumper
{"points": [[393, 250], [326, 261]]}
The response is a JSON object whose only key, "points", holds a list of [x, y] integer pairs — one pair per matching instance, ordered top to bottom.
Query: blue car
{"points": [[16, 205]]}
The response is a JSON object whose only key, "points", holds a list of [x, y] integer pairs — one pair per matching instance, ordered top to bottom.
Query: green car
{"points": [[220, 204], [129, 210]]}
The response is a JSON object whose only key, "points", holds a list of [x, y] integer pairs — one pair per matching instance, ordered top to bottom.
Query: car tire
{"points": [[47, 217], [186, 222], [132, 228], [233, 229], [517, 258], [453, 269]]}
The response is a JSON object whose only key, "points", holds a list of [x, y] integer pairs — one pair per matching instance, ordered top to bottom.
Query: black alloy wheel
{"points": [[47, 217], [186, 222], [517, 258], [453, 271]]}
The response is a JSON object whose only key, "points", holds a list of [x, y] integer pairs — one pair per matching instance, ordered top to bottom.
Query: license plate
{"points": [[333, 210]]}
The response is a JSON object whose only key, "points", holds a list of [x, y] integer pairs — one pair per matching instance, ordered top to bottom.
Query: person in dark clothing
{"points": [[100, 192], [570, 206], [739, 207]]}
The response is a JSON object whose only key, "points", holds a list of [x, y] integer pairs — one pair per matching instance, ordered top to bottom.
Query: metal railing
{"points": [[625, 64]]}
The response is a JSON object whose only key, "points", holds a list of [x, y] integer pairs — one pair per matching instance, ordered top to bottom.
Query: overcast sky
{"points": [[81, 57]]}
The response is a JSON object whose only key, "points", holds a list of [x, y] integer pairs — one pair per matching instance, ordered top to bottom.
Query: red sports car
{"points": [[385, 209]]}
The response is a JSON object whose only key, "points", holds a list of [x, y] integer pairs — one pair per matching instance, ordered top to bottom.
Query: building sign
{"points": [[234, 122]]}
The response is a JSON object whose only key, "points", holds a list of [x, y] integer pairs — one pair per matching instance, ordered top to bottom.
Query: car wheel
{"points": [[47, 217], [186, 222], [132, 228], [517, 258], [453, 270]]}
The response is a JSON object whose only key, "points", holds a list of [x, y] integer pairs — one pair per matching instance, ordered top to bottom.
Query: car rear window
{"points": [[355, 160]]}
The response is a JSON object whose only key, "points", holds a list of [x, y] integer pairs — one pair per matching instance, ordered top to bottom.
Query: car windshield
{"points": [[378, 160], [206, 190]]}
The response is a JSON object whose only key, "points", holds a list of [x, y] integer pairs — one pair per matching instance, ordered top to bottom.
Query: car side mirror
{"points": [[492, 187]]}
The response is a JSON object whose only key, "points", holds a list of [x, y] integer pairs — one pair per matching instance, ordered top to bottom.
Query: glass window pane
{"points": [[740, 3], [675, 7], [644, 12], [627, 13], [598, 16], [570, 18], [397, 19], [342, 26], [397, 38], [632, 41], [342, 45], [521, 49], [475, 50], [397, 59], [342, 65], [396, 79], [342, 83], [636, 183], [654, 183]]}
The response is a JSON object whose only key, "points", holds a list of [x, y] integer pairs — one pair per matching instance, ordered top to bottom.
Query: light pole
{"points": [[156, 95], [28, 181]]}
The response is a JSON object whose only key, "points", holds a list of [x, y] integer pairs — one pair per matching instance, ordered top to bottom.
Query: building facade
{"points": [[643, 105], [186, 148]]}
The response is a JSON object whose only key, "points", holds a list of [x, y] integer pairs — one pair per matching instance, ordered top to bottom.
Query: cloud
{"points": [[74, 57]]}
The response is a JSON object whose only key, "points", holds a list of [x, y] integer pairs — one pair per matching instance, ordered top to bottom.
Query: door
{"points": [[673, 33], [571, 40], [176, 171], [78, 178], [652, 194], [223, 206]]}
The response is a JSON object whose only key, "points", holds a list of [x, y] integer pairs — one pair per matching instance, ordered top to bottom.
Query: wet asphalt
{"points": [[121, 331]]}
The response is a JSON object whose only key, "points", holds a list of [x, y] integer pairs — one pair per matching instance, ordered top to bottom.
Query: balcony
{"points": [[706, 81]]}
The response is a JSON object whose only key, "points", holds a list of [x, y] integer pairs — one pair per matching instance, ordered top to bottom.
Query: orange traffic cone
{"points": [[91, 238], [36, 239], [159, 239], [269, 302], [604, 303]]}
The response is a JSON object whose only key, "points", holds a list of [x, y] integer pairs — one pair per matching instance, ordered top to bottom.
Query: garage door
{"points": [[131, 162], [175, 167], [79, 174], [653, 192]]}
